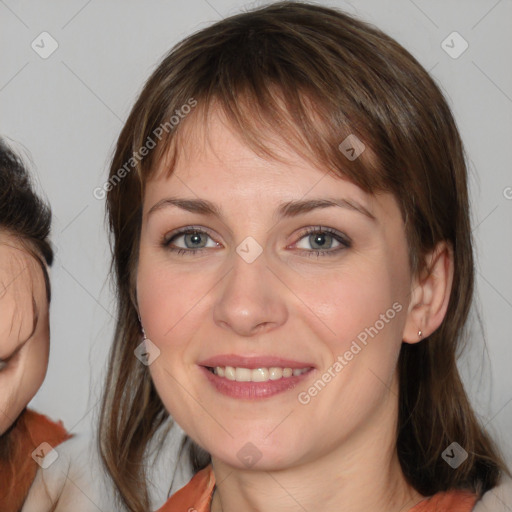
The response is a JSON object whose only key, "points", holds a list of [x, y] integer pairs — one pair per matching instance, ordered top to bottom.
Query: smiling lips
{"points": [[253, 377]]}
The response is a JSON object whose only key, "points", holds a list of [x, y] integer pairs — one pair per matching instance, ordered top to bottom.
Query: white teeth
{"points": [[287, 372], [229, 373], [275, 373], [243, 374], [257, 374]]}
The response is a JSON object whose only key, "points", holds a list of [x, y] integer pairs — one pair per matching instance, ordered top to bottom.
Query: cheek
{"points": [[170, 298], [349, 299], [161, 300], [169, 309], [366, 313], [362, 317], [36, 362], [20, 383]]}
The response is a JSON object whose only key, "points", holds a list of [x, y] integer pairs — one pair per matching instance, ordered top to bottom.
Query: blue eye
{"points": [[194, 239], [321, 241]]}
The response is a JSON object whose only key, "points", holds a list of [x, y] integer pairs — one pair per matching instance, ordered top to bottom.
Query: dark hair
{"points": [[311, 76], [23, 213]]}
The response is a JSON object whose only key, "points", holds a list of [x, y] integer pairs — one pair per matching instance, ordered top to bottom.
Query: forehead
{"points": [[210, 156], [212, 161], [17, 265]]}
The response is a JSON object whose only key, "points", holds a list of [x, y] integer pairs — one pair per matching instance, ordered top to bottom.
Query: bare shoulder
{"points": [[76, 479], [71, 482]]}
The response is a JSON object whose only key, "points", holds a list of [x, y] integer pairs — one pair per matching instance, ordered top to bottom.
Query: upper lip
{"points": [[253, 362]]}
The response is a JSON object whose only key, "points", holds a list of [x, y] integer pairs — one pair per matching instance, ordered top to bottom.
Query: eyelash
{"points": [[343, 240]]}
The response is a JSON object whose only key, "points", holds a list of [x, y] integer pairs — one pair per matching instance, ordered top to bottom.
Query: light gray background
{"points": [[68, 110]]}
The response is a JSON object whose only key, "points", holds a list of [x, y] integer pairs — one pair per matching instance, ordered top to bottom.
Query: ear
{"points": [[430, 294]]}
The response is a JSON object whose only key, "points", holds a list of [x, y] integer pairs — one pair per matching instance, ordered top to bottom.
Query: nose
{"points": [[250, 300]]}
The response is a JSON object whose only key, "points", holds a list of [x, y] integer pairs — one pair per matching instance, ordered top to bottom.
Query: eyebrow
{"points": [[285, 210]]}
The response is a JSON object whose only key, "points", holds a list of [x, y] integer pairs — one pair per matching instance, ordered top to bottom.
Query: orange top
{"points": [[18, 470], [196, 496], [450, 501]]}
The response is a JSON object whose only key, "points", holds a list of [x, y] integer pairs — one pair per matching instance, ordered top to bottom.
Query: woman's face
{"points": [[272, 287], [24, 329]]}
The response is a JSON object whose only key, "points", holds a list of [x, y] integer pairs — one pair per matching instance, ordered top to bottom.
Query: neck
{"points": [[361, 474]]}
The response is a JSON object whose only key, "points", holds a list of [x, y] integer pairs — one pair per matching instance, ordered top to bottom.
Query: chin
{"points": [[251, 455]]}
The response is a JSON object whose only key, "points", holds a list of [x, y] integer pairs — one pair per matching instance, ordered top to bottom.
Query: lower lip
{"points": [[253, 390]]}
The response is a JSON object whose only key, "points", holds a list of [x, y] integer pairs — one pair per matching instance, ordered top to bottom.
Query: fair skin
{"points": [[24, 328], [337, 452]]}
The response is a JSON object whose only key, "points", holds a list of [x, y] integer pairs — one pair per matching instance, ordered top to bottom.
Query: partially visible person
{"points": [[25, 255], [74, 481]]}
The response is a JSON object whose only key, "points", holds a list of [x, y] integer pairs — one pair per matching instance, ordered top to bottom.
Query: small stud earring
{"points": [[419, 333]]}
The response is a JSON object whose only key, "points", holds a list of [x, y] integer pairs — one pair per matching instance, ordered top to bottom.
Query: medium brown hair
{"points": [[311, 76]]}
